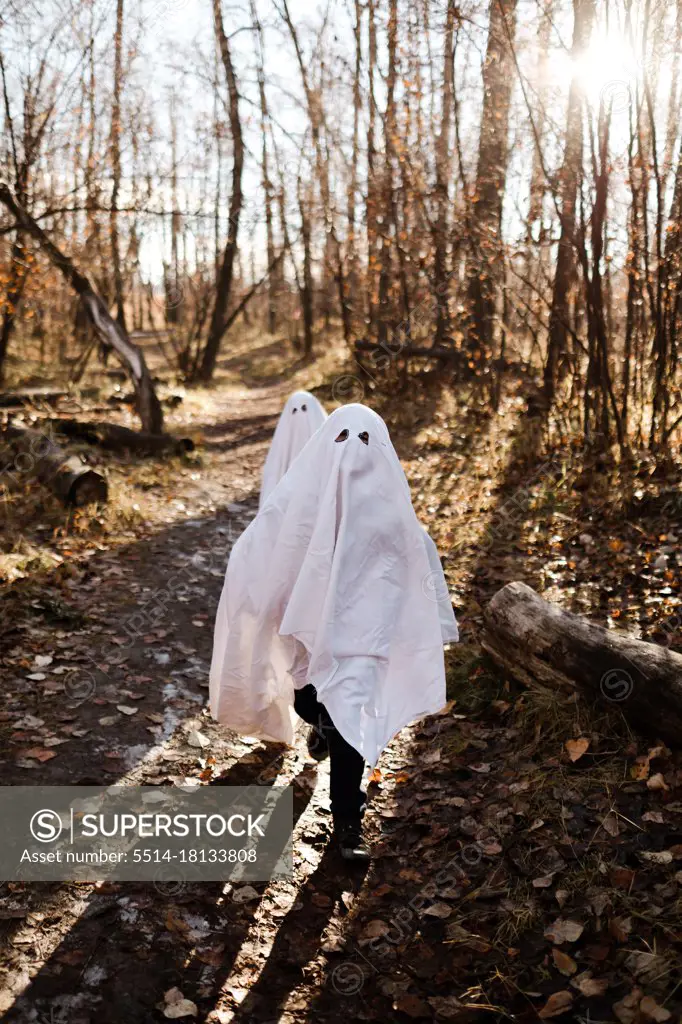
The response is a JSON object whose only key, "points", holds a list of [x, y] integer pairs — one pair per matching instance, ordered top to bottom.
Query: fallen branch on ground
{"points": [[108, 330], [408, 351], [30, 396], [117, 438], [25, 452], [536, 641]]}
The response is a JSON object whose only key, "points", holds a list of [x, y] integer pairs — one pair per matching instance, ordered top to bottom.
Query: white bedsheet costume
{"points": [[300, 418], [335, 561]]}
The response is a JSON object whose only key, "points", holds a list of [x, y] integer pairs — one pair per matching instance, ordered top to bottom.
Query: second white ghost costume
{"points": [[300, 418], [335, 563]]}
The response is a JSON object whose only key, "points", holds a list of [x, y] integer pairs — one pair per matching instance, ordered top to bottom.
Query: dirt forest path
{"points": [[148, 606], [120, 699], [504, 876]]}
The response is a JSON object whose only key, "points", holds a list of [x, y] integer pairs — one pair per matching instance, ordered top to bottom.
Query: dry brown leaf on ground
{"points": [[576, 748], [39, 754], [640, 769], [610, 824], [657, 856], [410, 875], [622, 878], [245, 894], [561, 895], [599, 903], [441, 910], [175, 923], [620, 928], [374, 930], [564, 930], [333, 942], [564, 963], [645, 966], [589, 986], [558, 1003], [177, 1006], [412, 1006], [447, 1007], [627, 1009], [650, 1009]]}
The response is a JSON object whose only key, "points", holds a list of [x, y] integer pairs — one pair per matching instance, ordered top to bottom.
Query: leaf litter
{"points": [[527, 847]]}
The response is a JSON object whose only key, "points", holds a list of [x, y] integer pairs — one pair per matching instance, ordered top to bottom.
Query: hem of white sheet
{"points": [[416, 717]]}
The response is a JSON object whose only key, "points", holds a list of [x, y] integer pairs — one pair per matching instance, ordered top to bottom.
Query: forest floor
{"points": [[527, 848]]}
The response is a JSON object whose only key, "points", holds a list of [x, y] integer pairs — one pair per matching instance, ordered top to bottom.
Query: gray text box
{"points": [[146, 833]]}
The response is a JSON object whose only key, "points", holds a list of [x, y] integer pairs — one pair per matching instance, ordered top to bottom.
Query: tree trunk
{"points": [[315, 114], [116, 166], [571, 175], [538, 181], [267, 183], [371, 203], [442, 227], [351, 248], [537, 256], [483, 271], [225, 275], [385, 275], [172, 278], [307, 286], [15, 288], [109, 332], [599, 394], [35, 454], [538, 642]]}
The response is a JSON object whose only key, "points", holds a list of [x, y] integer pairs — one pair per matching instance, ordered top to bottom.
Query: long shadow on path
{"points": [[133, 942]]}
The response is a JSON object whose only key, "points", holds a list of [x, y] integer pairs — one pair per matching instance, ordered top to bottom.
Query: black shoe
{"points": [[318, 746], [351, 843]]}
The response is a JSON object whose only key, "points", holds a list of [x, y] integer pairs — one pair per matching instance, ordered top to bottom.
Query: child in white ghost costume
{"points": [[300, 418], [334, 603]]}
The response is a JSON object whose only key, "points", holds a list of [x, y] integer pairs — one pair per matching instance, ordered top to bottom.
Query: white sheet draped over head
{"points": [[300, 418], [335, 561]]}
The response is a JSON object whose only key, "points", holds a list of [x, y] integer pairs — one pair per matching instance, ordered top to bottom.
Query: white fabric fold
{"points": [[300, 418], [336, 568]]}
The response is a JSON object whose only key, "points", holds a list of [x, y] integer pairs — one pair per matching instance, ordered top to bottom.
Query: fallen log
{"points": [[108, 330], [407, 351], [30, 396], [113, 437], [33, 453], [536, 641]]}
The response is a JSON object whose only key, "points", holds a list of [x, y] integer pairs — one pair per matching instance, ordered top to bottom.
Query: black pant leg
{"points": [[307, 706], [346, 766]]}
